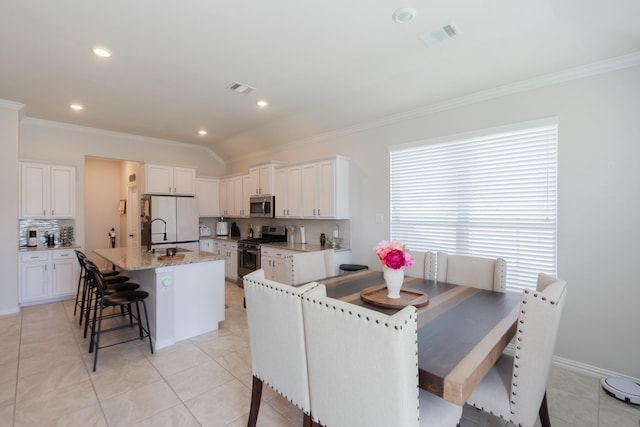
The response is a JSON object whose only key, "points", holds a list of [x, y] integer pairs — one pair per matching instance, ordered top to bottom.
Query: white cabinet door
{"points": [[159, 179], [184, 181], [326, 189], [47, 191], [63, 192], [287, 192], [308, 192], [208, 194], [237, 196], [245, 209], [206, 245], [64, 280], [34, 283]]}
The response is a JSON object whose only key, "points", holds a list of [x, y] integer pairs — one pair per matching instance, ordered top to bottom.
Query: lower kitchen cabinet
{"points": [[229, 250], [273, 263], [47, 276]]}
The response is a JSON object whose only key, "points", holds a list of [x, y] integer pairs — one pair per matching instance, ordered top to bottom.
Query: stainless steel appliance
{"points": [[262, 206], [170, 221], [222, 228], [32, 237], [249, 249]]}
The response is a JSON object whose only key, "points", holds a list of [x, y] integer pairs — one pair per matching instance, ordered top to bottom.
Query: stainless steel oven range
{"points": [[249, 249]]}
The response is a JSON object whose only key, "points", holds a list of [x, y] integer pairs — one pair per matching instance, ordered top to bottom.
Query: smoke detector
{"points": [[439, 35], [241, 88]]}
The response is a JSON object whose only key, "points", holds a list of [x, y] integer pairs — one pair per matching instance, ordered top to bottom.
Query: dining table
{"points": [[462, 330]]}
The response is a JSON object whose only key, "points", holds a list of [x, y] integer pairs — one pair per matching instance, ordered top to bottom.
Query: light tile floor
{"points": [[46, 379]]}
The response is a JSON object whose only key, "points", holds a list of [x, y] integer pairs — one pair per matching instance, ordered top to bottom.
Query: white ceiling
{"points": [[322, 66]]}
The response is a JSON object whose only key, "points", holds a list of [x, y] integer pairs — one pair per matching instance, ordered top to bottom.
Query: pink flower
{"points": [[392, 255]]}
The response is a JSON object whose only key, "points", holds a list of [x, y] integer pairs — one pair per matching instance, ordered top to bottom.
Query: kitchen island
{"points": [[186, 292]]}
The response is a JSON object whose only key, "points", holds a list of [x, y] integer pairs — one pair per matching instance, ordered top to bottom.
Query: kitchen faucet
{"points": [[165, 232]]}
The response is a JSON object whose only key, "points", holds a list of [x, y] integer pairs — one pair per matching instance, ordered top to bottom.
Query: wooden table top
{"points": [[461, 332]]}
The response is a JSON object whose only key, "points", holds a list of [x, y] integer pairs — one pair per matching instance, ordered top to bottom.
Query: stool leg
{"points": [[78, 293], [146, 319], [97, 339]]}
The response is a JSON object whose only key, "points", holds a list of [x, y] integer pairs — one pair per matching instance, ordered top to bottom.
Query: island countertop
{"points": [[137, 258]]}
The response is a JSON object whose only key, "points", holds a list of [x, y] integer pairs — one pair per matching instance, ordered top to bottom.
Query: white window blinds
{"points": [[491, 195]]}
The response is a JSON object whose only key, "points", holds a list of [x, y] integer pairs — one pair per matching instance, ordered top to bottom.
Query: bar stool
{"points": [[352, 267], [99, 286]]}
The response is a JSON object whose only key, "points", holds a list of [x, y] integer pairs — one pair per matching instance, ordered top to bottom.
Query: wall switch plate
{"points": [[379, 218]]}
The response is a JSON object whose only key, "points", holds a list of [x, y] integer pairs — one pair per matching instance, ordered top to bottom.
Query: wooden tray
{"points": [[170, 258], [377, 295]]}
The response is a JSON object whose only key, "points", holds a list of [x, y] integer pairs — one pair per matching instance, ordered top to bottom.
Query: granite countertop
{"points": [[302, 247], [47, 248], [137, 258]]}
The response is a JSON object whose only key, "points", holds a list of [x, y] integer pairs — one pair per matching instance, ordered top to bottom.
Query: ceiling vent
{"points": [[439, 35], [241, 88]]}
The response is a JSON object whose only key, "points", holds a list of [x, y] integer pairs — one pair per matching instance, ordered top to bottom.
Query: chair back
{"points": [[424, 265], [305, 267], [477, 272], [96, 280], [538, 323], [276, 336], [362, 364]]}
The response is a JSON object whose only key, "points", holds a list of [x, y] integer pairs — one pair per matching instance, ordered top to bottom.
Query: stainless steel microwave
{"points": [[262, 206]]}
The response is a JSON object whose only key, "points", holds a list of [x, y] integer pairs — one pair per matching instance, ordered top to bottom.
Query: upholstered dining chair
{"points": [[424, 265], [304, 267], [477, 272], [276, 339], [363, 367], [515, 387]]}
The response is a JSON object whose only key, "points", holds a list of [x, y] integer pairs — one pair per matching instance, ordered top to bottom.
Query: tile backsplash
{"points": [[52, 226]]}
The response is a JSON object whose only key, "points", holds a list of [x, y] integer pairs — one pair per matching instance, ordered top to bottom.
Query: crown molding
{"points": [[551, 79], [11, 104], [114, 134]]}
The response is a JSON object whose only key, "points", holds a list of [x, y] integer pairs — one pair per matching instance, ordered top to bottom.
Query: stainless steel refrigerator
{"points": [[170, 221]]}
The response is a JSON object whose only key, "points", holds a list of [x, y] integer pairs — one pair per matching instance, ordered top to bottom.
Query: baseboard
{"points": [[7, 311], [579, 367]]}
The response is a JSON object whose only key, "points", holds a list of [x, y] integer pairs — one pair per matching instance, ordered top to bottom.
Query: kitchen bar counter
{"points": [[303, 247], [46, 248], [137, 258], [186, 295]]}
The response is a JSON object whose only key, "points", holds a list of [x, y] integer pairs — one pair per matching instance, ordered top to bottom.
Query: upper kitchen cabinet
{"points": [[262, 179], [171, 180], [325, 189], [47, 191], [288, 191], [208, 194], [234, 196]]}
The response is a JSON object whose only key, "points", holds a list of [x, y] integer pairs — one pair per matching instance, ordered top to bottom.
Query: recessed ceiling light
{"points": [[404, 15], [102, 52], [262, 103], [76, 107], [202, 132]]}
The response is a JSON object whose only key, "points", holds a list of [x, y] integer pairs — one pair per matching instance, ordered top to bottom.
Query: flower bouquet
{"points": [[393, 256]]}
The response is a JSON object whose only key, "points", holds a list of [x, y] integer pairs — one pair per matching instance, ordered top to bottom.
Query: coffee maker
{"points": [[222, 228], [32, 237]]}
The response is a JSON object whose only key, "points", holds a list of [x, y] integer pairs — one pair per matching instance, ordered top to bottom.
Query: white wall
{"points": [[9, 119], [599, 198], [101, 199]]}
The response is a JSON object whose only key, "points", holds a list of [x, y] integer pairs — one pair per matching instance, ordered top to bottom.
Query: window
{"points": [[491, 195]]}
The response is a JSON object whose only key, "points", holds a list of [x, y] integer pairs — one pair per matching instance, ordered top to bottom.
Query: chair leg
{"points": [[75, 309], [256, 395], [544, 412], [306, 421]]}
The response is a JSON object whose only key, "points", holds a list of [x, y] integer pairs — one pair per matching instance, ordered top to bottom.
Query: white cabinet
{"points": [[262, 178], [161, 179], [325, 189], [47, 191], [288, 191], [208, 194], [234, 198], [206, 245], [230, 252], [273, 263], [48, 276]]}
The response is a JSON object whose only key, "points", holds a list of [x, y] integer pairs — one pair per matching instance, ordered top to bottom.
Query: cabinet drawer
{"points": [[64, 254], [34, 256]]}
